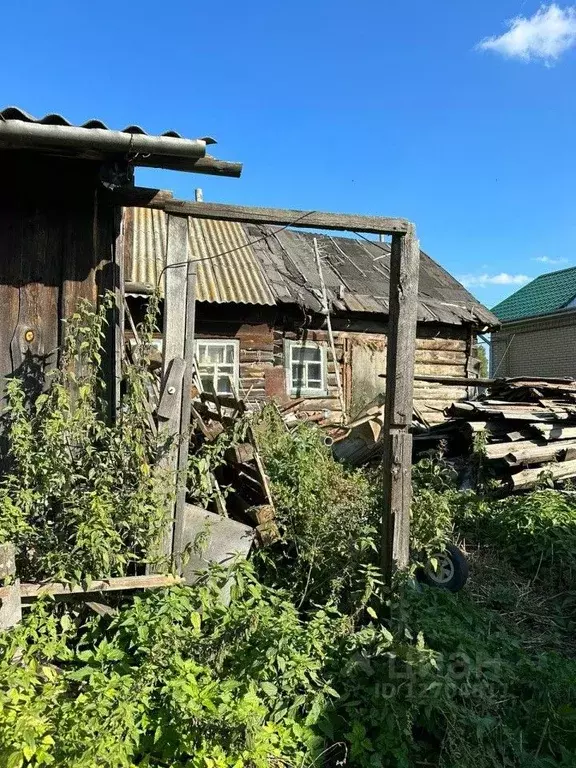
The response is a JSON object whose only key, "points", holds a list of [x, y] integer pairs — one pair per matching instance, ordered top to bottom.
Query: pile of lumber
{"points": [[527, 426], [249, 498]]}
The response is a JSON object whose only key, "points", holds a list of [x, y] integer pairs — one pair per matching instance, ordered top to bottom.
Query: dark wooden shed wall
{"points": [[57, 239]]}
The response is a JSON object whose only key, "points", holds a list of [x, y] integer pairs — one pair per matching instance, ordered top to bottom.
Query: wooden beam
{"points": [[209, 166], [155, 198], [176, 281], [143, 289], [118, 313], [459, 381], [185, 410], [397, 440], [528, 478], [30, 591]]}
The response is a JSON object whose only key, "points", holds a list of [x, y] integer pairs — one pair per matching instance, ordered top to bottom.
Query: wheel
{"points": [[451, 571]]}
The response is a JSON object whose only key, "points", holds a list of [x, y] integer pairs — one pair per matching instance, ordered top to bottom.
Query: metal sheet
{"points": [[228, 270]]}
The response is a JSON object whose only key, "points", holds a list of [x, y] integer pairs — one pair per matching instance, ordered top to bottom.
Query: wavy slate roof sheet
{"points": [[53, 118], [94, 140], [278, 267], [236, 277]]}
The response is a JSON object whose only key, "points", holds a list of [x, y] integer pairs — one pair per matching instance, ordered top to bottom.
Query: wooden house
{"points": [[261, 319]]}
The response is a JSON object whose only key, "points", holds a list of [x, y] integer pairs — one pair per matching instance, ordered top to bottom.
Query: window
{"points": [[218, 366], [306, 368]]}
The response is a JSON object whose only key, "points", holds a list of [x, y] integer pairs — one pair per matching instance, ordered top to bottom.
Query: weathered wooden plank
{"points": [[134, 196], [11, 223], [175, 315], [118, 334], [441, 344], [256, 356], [440, 357], [432, 369], [464, 381], [170, 394], [320, 404], [186, 407], [554, 431], [397, 440], [499, 450], [532, 453], [239, 454], [528, 478], [264, 513], [31, 591]]}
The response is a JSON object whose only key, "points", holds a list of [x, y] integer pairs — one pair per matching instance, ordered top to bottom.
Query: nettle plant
{"points": [[82, 497]]}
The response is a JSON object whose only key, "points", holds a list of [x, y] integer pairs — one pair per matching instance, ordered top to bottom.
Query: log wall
{"points": [[360, 355]]}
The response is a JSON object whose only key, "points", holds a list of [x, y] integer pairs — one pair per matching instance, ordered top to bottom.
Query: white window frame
{"points": [[236, 364], [295, 391]]}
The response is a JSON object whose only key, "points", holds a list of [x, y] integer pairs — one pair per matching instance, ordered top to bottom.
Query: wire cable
{"points": [[232, 250]]}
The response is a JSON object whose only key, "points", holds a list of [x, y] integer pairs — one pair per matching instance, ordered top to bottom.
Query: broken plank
{"points": [[555, 431], [240, 453], [535, 454], [528, 478]]}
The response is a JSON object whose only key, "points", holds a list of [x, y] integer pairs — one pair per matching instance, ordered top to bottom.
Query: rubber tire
{"points": [[460, 576]]}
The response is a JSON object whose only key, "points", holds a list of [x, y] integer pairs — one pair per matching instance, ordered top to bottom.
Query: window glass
{"points": [[218, 364], [306, 366]]}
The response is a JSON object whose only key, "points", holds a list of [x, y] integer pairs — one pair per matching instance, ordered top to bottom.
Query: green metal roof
{"points": [[544, 295]]}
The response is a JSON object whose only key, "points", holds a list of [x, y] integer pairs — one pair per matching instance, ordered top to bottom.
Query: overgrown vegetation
{"points": [[81, 497], [311, 663]]}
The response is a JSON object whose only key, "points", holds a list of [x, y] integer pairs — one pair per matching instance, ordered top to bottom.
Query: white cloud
{"points": [[546, 35], [548, 260], [501, 279]]}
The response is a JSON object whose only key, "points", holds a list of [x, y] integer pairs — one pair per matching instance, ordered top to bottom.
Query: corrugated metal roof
{"points": [[278, 266], [235, 277]]}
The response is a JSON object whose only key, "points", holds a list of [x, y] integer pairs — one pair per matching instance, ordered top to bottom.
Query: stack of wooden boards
{"points": [[524, 426]]}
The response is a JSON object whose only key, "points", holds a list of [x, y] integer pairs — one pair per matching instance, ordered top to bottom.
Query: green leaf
{"points": [[269, 689]]}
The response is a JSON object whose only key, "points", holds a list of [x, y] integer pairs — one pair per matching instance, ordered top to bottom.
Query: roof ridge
{"points": [[547, 274], [543, 295]]}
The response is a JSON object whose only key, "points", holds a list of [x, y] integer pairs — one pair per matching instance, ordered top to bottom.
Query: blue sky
{"points": [[382, 106]]}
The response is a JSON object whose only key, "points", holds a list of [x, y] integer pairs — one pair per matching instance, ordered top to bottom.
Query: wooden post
{"points": [[118, 313], [189, 353], [174, 365], [397, 463], [10, 599]]}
